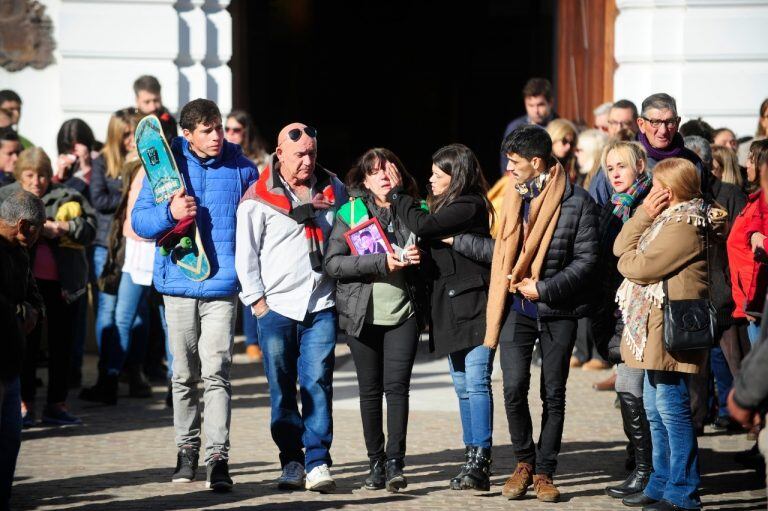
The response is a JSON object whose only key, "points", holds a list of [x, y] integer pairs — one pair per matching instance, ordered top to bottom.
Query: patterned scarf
{"points": [[533, 187], [270, 191], [624, 202], [636, 301]]}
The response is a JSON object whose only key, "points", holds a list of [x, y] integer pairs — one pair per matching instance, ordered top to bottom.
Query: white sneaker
{"points": [[292, 477], [319, 479]]}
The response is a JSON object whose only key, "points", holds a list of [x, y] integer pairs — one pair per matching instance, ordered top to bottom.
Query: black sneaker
{"points": [[186, 465], [218, 474]]}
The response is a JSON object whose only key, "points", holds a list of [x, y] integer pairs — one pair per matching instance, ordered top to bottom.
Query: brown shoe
{"points": [[254, 353], [575, 361], [595, 365], [607, 384], [518, 482], [546, 491]]}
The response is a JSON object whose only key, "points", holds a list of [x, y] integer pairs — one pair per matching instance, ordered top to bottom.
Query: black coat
{"points": [[105, 194], [733, 200], [571, 260], [355, 274], [459, 285]]}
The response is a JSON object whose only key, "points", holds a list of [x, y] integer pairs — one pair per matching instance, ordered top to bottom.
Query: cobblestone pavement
{"points": [[122, 457]]}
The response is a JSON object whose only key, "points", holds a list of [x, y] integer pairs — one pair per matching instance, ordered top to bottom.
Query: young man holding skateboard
{"points": [[200, 315]]}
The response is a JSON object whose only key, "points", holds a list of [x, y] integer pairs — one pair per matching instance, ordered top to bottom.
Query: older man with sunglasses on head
{"points": [[283, 223]]}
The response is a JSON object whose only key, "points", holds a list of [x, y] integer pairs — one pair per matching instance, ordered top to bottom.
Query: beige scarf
{"points": [[519, 255]]}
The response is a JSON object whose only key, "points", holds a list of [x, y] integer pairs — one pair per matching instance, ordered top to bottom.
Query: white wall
{"points": [[103, 46], [712, 56]]}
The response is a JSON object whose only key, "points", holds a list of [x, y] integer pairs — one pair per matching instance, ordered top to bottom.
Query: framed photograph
{"points": [[368, 238]]}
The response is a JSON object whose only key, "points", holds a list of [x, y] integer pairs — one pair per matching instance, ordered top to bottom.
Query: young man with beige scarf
{"points": [[545, 253]]}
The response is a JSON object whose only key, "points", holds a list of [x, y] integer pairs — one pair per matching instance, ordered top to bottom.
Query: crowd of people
{"points": [[669, 219]]}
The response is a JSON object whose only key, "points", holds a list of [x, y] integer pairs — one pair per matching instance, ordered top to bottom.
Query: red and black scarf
{"points": [[270, 191]]}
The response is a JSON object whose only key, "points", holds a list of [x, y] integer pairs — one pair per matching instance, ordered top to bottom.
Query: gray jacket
{"points": [[751, 385]]}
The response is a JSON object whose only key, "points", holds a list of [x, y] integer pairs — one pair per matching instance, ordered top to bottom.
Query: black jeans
{"points": [[60, 318], [557, 337], [384, 358]]}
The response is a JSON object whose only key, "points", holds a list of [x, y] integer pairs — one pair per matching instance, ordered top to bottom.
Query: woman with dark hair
{"points": [[239, 129], [77, 150], [458, 204], [746, 245], [380, 299]]}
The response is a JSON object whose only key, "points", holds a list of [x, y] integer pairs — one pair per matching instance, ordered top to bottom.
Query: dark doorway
{"points": [[408, 75]]}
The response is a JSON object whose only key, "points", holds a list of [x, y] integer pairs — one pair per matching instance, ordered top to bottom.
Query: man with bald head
{"points": [[283, 223]]}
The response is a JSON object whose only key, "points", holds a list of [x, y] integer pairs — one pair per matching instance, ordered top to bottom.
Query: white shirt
{"points": [[272, 258]]}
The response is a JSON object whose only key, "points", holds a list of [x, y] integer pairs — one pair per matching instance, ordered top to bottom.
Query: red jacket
{"points": [[749, 277]]}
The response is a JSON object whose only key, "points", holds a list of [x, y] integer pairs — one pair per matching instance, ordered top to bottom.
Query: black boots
{"points": [[138, 385], [105, 390], [639, 432], [479, 470], [476, 472], [387, 474], [376, 477], [395, 479], [456, 482]]}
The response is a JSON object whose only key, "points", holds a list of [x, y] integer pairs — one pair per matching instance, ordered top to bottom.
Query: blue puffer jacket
{"points": [[217, 185]]}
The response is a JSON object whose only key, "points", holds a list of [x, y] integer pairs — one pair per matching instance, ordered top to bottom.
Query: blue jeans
{"points": [[132, 323], [250, 327], [753, 332], [112, 342], [302, 350], [471, 373], [723, 379], [10, 435], [675, 476]]}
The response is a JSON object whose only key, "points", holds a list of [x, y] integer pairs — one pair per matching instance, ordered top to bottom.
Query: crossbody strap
{"points": [[665, 301]]}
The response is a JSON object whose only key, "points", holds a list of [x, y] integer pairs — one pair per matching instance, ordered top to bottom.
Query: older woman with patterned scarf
{"points": [[625, 166], [665, 241]]}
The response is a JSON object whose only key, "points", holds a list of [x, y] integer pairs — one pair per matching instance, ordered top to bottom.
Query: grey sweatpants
{"points": [[201, 336]]}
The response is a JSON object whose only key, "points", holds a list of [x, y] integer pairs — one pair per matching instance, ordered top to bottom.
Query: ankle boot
{"points": [[138, 385], [104, 391], [636, 422], [478, 470], [375, 479], [395, 479], [456, 482]]}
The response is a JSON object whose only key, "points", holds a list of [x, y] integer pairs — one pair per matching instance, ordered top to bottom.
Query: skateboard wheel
{"points": [[186, 242], [164, 251]]}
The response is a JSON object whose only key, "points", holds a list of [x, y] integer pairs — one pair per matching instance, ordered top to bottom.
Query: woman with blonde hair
{"points": [[564, 137], [589, 150], [624, 164], [725, 165], [106, 192], [663, 256], [60, 268]]}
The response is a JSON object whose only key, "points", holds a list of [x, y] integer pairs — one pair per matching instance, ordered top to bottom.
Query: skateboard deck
{"points": [[182, 243]]}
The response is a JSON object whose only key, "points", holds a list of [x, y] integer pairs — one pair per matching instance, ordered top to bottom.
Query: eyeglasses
{"points": [[656, 123], [232, 129], [295, 133], [566, 141]]}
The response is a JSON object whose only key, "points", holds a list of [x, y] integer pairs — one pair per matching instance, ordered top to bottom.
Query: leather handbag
{"points": [[689, 324]]}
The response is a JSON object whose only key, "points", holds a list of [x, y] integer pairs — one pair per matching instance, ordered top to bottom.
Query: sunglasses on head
{"points": [[295, 133]]}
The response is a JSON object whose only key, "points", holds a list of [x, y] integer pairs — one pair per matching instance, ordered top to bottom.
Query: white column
{"points": [[710, 55]]}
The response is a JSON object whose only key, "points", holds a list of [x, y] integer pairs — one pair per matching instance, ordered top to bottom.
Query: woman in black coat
{"points": [[457, 204], [379, 299]]}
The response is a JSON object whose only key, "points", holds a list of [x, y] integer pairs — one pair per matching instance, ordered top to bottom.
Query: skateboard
{"points": [[182, 243]]}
